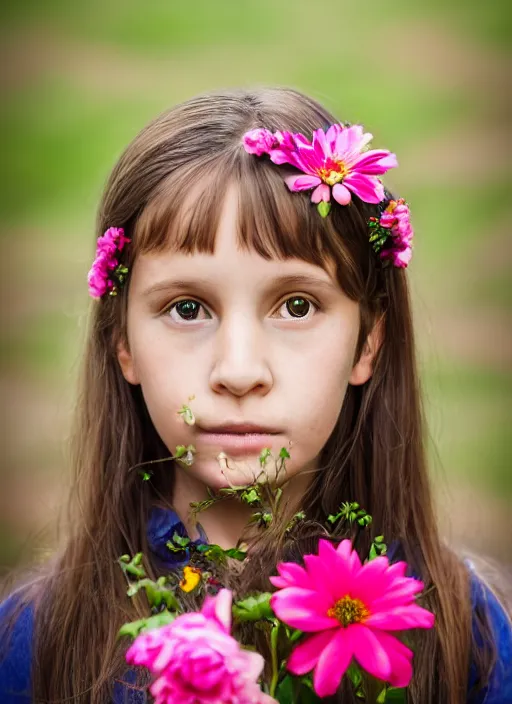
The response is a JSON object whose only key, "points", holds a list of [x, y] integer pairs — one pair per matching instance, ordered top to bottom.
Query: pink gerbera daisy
{"points": [[335, 161], [349, 607]]}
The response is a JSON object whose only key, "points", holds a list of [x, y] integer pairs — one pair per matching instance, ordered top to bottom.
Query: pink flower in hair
{"points": [[259, 141], [335, 162], [397, 218], [392, 233], [106, 272], [348, 610], [197, 661]]}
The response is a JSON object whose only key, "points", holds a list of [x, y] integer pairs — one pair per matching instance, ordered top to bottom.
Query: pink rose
{"points": [[197, 661]]}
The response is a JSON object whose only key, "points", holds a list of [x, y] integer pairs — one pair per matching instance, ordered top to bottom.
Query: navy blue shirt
{"points": [[15, 678]]}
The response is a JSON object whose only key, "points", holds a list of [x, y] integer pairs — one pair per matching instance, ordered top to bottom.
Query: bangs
{"points": [[271, 220]]}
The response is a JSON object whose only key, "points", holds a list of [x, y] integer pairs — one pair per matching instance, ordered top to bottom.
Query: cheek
{"points": [[168, 379], [318, 380]]}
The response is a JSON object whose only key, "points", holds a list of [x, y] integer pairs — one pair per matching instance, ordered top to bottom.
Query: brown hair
{"points": [[375, 456]]}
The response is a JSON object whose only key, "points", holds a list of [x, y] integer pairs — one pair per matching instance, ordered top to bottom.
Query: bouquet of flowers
{"points": [[329, 618]]}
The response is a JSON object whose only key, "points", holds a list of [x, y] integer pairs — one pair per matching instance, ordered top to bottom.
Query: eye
{"points": [[297, 307], [186, 309]]}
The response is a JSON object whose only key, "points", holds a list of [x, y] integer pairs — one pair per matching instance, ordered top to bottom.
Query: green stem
{"points": [[275, 666]]}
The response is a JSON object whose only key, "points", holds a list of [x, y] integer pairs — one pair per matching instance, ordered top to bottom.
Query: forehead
{"points": [[244, 202], [185, 212], [231, 260]]}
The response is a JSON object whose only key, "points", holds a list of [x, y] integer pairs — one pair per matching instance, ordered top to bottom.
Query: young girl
{"points": [[254, 283]]}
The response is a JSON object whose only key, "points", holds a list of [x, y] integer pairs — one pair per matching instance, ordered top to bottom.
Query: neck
{"points": [[227, 520]]}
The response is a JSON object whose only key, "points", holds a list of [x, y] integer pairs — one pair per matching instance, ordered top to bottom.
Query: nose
{"points": [[240, 364]]}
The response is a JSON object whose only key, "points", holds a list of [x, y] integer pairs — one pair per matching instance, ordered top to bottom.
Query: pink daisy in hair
{"points": [[334, 162], [349, 609]]}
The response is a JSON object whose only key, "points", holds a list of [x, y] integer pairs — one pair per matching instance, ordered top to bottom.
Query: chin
{"points": [[237, 472]]}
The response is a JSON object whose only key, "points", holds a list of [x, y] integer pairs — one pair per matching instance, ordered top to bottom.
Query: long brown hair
{"points": [[376, 454]]}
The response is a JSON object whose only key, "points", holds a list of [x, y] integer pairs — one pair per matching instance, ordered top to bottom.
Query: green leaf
{"points": [[324, 208], [284, 454], [264, 456], [250, 497], [299, 516], [182, 541], [218, 554], [236, 554], [133, 566], [156, 592], [254, 608], [134, 628], [354, 674], [285, 691], [392, 695], [395, 695]]}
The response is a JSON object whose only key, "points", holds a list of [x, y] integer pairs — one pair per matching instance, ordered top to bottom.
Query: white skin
{"points": [[245, 358]]}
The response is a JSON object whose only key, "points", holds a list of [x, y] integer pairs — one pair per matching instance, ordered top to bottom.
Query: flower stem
{"points": [[275, 666]]}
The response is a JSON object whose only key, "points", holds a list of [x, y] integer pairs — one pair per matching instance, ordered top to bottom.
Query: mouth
{"points": [[239, 438]]}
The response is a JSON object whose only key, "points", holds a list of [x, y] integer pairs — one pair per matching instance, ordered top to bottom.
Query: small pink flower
{"points": [[258, 141], [397, 218], [398, 247], [107, 248], [398, 257], [349, 608], [197, 661]]}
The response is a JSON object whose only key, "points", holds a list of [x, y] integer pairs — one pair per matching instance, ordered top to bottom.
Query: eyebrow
{"points": [[279, 282]]}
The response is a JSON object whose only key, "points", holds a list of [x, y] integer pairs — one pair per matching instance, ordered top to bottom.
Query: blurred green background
{"points": [[429, 80]]}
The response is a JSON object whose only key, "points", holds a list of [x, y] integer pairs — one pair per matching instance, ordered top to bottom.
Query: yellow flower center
{"points": [[333, 173], [191, 578], [349, 610]]}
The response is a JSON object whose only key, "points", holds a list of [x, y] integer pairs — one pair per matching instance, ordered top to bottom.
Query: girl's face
{"points": [[262, 343]]}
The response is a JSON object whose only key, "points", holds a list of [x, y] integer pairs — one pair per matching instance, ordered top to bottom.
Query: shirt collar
{"points": [[162, 524]]}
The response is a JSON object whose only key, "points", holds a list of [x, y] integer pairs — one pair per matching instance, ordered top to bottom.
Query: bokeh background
{"points": [[429, 80]]}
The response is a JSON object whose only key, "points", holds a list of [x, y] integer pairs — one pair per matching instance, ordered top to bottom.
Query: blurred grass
{"points": [[160, 23], [84, 79]]}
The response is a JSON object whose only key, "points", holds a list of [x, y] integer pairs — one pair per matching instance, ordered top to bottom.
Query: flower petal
{"points": [[332, 135], [350, 142], [321, 145], [376, 161], [302, 183], [368, 188], [321, 193], [341, 194], [345, 549], [337, 568], [317, 573], [293, 575], [372, 580], [279, 582], [397, 595], [303, 609], [401, 618], [369, 651], [305, 656], [400, 657], [254, 664], [332, 664]]}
